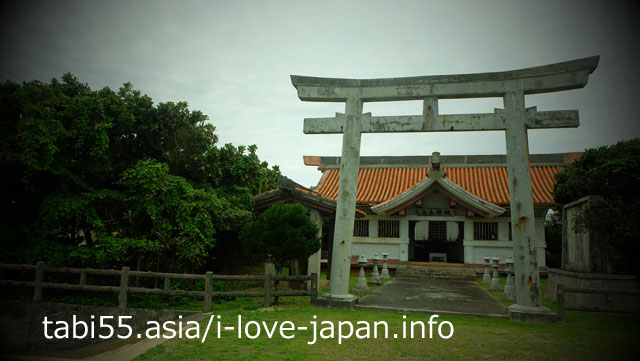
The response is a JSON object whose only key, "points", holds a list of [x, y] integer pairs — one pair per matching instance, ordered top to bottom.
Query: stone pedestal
{"points": [[337, 303], [528, 314]]}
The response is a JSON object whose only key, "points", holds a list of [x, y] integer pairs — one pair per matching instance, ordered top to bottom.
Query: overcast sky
{"points": [[232, 60]]}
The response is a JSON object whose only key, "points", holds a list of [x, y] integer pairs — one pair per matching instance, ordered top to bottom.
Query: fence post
{"points": [[83, 278], [37, 284], [124, 284], [167, 284], [208, 288], [314, 288], [267, 290], [609, 298], [560, 301]]}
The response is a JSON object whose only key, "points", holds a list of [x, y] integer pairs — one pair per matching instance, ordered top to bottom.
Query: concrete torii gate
{"points": [[514, 119]]}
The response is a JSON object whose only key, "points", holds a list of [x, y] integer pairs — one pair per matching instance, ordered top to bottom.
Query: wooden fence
{"points": [[40, 268], [561, 292]]}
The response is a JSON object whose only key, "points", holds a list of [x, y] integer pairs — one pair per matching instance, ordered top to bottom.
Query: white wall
{"points": [[474, 251]]}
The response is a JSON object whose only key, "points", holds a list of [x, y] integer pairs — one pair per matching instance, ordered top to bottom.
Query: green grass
{"points": [[503, 280], [583, 336]]}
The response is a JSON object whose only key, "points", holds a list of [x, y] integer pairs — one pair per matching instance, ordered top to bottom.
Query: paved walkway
{"points": [[434, 296]]}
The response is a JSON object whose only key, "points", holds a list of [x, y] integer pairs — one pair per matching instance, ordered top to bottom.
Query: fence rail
{"points": [[40, 268], [561, 291]]}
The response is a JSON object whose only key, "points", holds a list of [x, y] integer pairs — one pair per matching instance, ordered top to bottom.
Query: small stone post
{"points": [[385, 270], [375, 276], [486, 277], [83, 278], [495, 281], [37, 284], [124, 284], [361, 285], [314, 288], [509, 289], [208, 290], [267, 290], [560, 301]]}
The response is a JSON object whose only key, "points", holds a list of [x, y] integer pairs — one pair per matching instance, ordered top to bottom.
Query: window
{"points": [[361, 228], [389, 229], [437, 230], [485, 230]]}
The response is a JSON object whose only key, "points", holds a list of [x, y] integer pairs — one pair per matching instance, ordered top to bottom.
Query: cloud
{"points": [[232, 60]]}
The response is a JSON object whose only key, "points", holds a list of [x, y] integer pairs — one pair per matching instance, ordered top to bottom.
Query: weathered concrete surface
{"points": [[541, 79], [443, 123], [552, 159], [347, 187], [582, 251], [313, 265], [442, 273], [527, 279], [595, 281], [434, 296], [530, 314]]}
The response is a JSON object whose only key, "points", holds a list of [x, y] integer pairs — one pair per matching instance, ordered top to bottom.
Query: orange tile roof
{"points": [[376, 185]]}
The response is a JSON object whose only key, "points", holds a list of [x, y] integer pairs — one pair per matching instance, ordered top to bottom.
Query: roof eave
{"points": [[405, 199]]}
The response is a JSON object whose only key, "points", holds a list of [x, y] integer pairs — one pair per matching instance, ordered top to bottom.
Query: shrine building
{"points": [[451, 209]]}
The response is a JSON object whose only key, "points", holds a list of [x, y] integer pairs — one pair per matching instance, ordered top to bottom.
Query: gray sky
{"points": [[232, 60]]}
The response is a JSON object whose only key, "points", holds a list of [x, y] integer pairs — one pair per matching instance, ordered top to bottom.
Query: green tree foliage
{"points": [[614, 174], [96, 178], [281, 233]]}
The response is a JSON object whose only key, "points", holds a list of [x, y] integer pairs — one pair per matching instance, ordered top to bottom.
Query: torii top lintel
{"points": [[541, 79]]}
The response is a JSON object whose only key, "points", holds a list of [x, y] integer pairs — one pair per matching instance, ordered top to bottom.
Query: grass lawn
{"points": [[584, 336]]}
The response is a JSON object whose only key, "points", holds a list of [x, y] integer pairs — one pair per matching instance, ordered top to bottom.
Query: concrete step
{"points": [[436, 272]]}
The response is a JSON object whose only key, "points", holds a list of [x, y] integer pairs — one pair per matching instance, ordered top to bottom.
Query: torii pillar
{"points": [[514, 120]]}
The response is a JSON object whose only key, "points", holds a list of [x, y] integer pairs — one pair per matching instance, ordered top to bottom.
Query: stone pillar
{"points": [[345, 209], [468, 236], [314, 260], [269, 268], [527, 279]]}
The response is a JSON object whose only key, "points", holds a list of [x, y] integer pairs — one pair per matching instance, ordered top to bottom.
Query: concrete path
{"points": [[418, 295]]}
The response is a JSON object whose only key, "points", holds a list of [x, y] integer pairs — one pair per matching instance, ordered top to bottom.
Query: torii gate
{"points": [[514, 119]]}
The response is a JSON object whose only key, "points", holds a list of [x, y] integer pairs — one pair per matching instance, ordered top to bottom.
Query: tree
{"points": [[613, 173], [103, 178], [281, 233]]}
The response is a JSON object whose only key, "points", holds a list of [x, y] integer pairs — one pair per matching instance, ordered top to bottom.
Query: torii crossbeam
{"points": [[514, 119]]}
